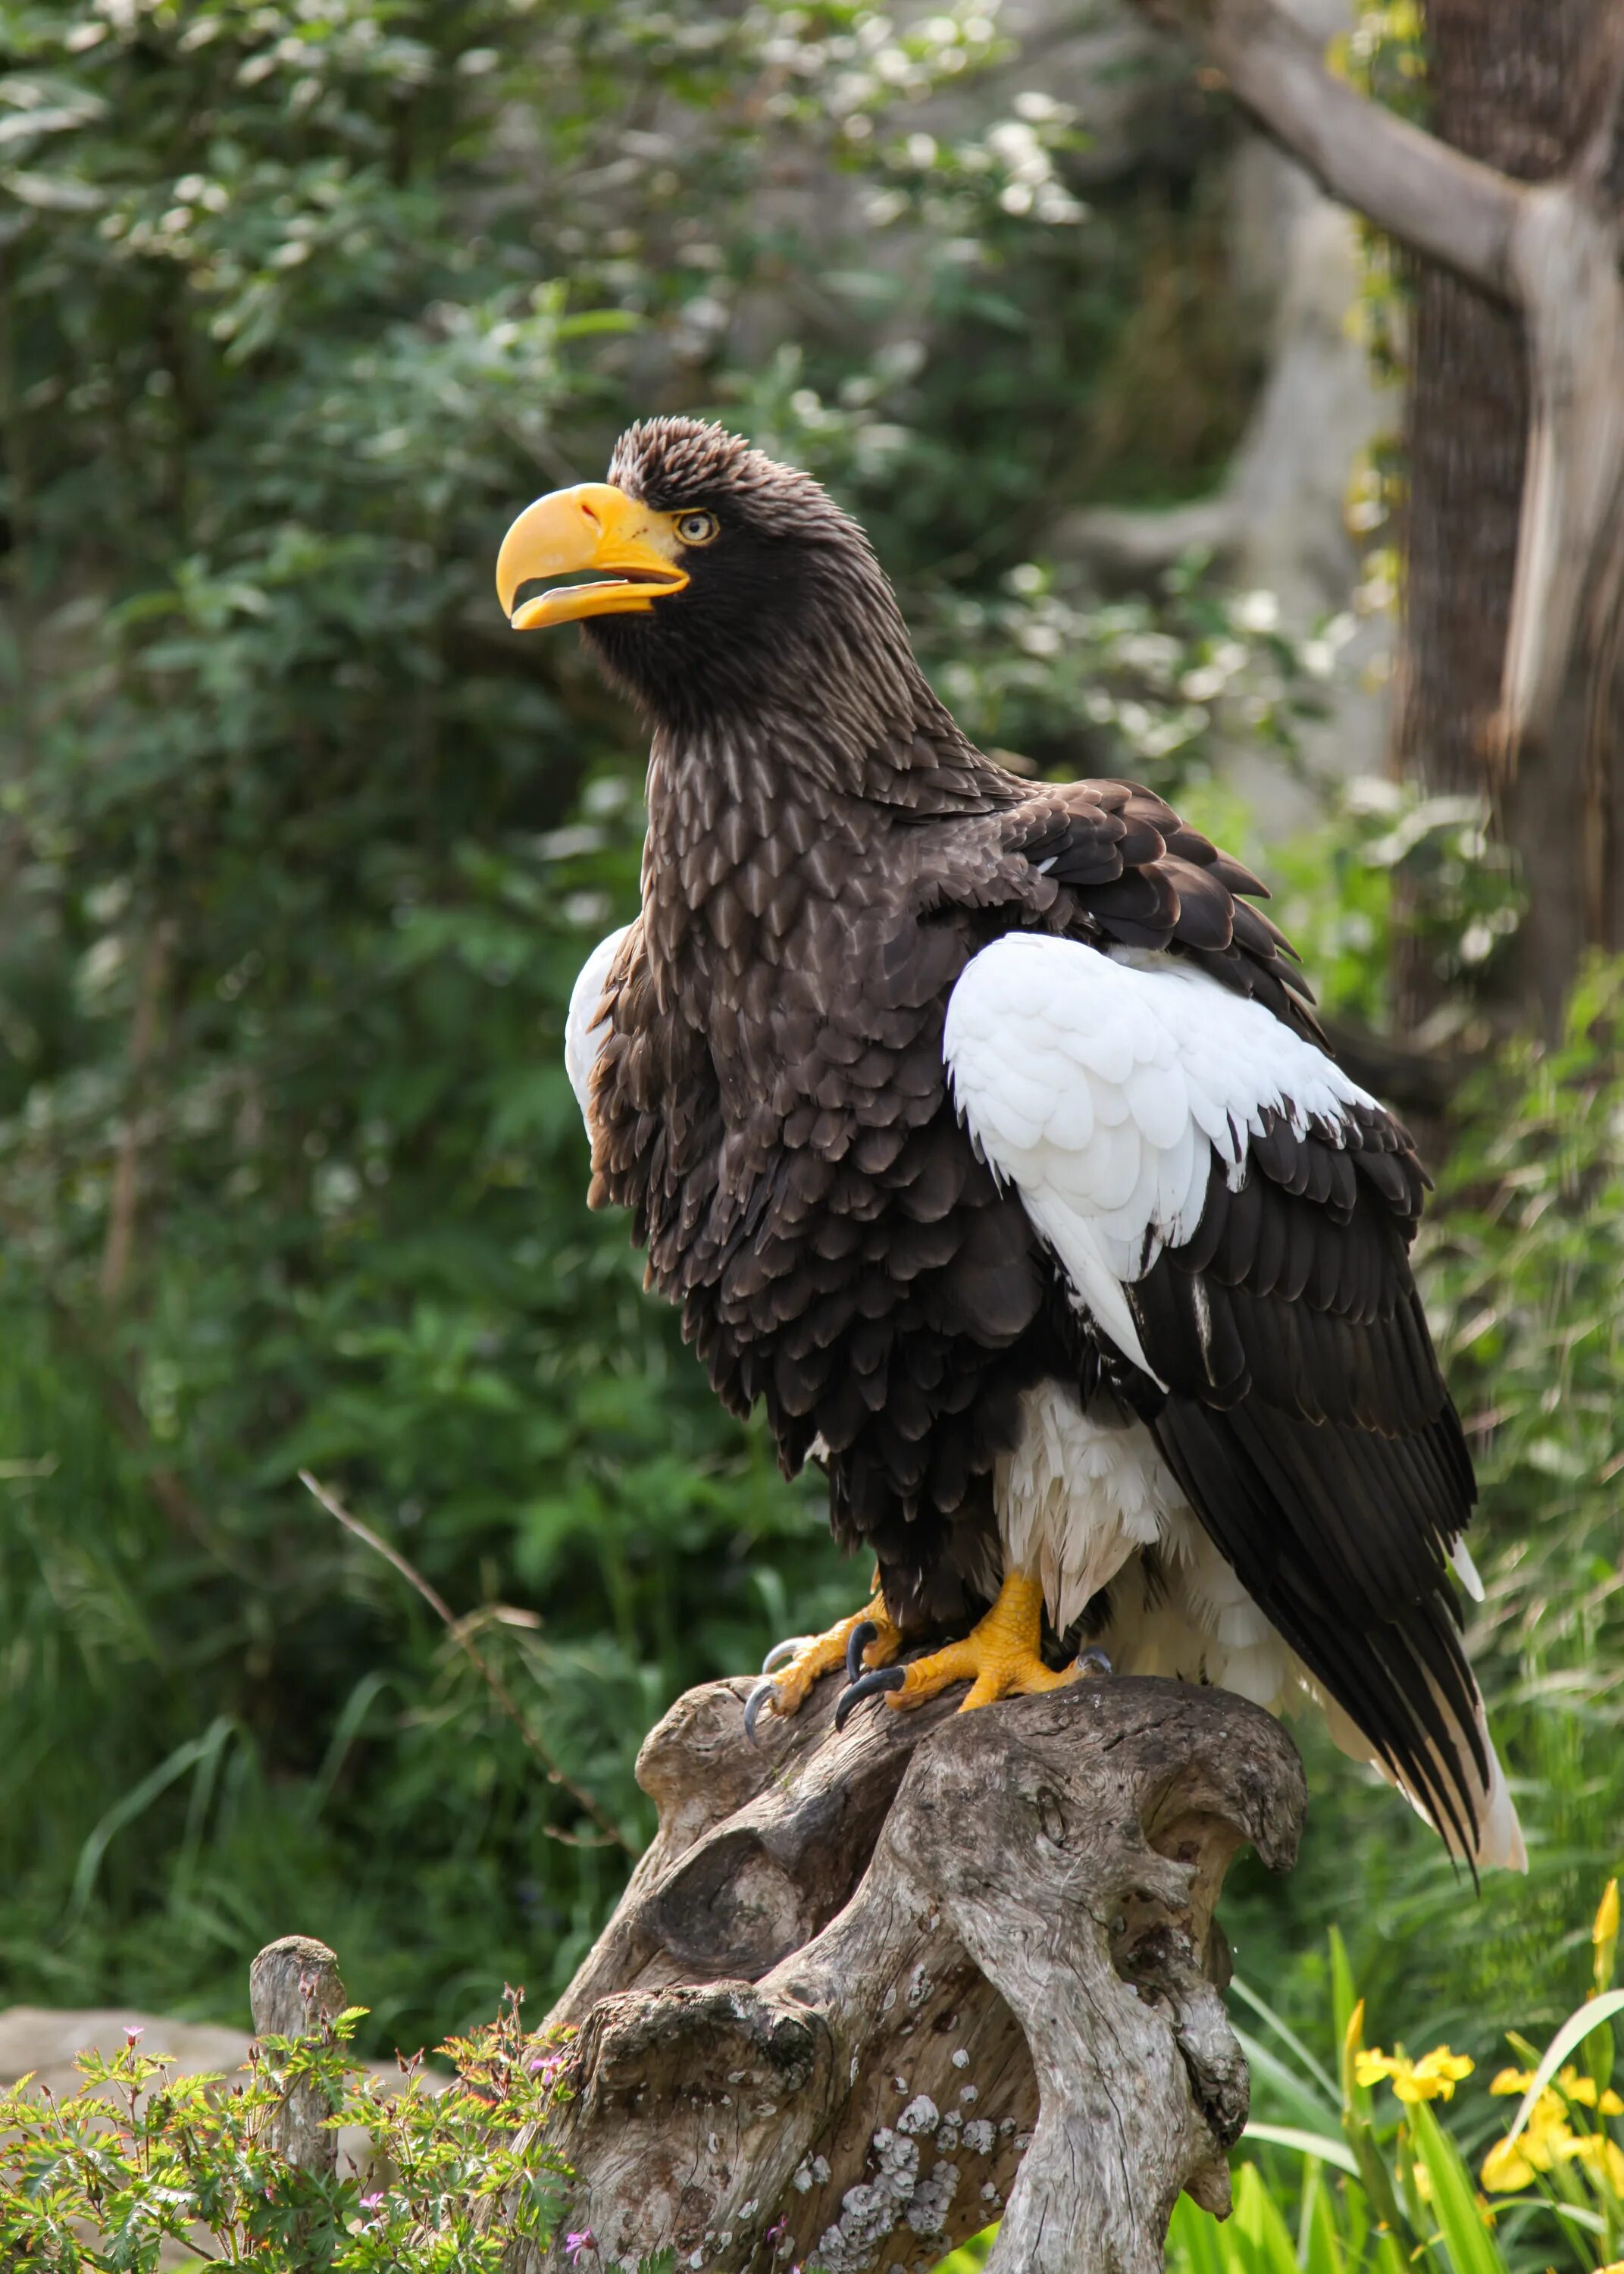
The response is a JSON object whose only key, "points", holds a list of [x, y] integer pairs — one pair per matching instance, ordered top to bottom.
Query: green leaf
{"points": [[52, 192], [195, 1753], [1344, 1997], [1315, 2069], [1301, 2094], [1328, 2148], [1454, 2196], [1257, 2221], [1196, 2244], [1320, 2246]]}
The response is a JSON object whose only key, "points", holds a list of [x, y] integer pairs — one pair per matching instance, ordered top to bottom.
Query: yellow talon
{"points": [[823, 1654], [999, 1657]]}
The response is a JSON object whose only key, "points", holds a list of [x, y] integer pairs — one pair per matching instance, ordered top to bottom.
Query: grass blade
{"points": [[135, 1803], [1288, 2036], [1568, 2039], [1303, 2100], [1319, 2144], [1454, 2197]]}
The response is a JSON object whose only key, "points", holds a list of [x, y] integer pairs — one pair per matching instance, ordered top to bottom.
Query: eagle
{"points": [[983, 1131]]}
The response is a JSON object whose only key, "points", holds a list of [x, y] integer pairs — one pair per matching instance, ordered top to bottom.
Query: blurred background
{"points": [[1181, 475]]}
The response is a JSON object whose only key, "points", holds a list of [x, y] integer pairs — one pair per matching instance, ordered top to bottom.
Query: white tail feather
{"points": [[1499, 1844]]}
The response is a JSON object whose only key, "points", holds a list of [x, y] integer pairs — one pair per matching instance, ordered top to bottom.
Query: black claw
{"points": [[861, 1635], [781, 1653], [1094, 1659], [868, 1685], [753, 1705]]}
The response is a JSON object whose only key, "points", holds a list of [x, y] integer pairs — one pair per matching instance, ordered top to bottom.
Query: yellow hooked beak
{"points": [[593, 526]]}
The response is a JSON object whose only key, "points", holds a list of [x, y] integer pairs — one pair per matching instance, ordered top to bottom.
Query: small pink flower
{"points": [[133, 2036], [370, 2203], [775, 2231], [574, 2245]]}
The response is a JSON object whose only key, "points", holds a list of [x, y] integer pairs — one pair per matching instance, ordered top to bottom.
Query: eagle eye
{"points": [[697, 528]]}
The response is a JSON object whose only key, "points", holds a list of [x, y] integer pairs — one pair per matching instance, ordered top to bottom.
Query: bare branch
{"points": [[1599, 172], [1446, 206], [1573, 488], [119, 1246]]}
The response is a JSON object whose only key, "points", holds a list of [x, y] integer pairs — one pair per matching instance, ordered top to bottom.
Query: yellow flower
{"points": [[1604, 1937], [1440, 2071], [1433, 2077], [1575, 2088], [1582, 2091], [1602, 2159], [1510, 2165], [1506, 2169]]}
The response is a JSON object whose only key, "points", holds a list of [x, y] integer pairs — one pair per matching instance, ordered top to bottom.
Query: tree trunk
{"points": [[1512, 83], [870, 1991]]}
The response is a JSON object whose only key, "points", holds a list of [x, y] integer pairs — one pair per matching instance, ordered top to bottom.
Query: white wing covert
{"points": [[584, 1031], [1103, 1085]]}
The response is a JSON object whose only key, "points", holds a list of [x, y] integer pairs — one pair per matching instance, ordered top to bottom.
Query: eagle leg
{"points": [[869, 1638], [1000, 1658]]}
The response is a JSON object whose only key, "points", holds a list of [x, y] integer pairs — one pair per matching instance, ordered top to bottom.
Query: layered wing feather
{"points": [[1111, 862], [1234, 1214]]}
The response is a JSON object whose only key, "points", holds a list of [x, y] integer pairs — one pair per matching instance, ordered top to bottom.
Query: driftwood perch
{"points": [[868, 1993]]}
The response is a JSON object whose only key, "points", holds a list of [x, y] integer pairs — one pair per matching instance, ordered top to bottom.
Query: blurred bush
{"points": [[141, 2167]]}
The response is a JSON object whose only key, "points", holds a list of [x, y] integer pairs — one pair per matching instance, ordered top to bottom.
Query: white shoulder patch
{"points": [[583, 1029], [1100, 1086]]}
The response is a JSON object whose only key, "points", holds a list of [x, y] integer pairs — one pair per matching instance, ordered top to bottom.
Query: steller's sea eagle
{"points": [[983, 1131]]}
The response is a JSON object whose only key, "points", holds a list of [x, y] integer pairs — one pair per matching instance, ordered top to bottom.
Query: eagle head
{"points": [[713, 584]]}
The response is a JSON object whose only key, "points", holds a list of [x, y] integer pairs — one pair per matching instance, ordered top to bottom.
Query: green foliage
{"points": [[1384, 57], [1393, 863], [140, 2158]]}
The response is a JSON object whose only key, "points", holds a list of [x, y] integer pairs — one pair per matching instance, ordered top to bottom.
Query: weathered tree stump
{"points": [[293, 1988], [867, 1991]]}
